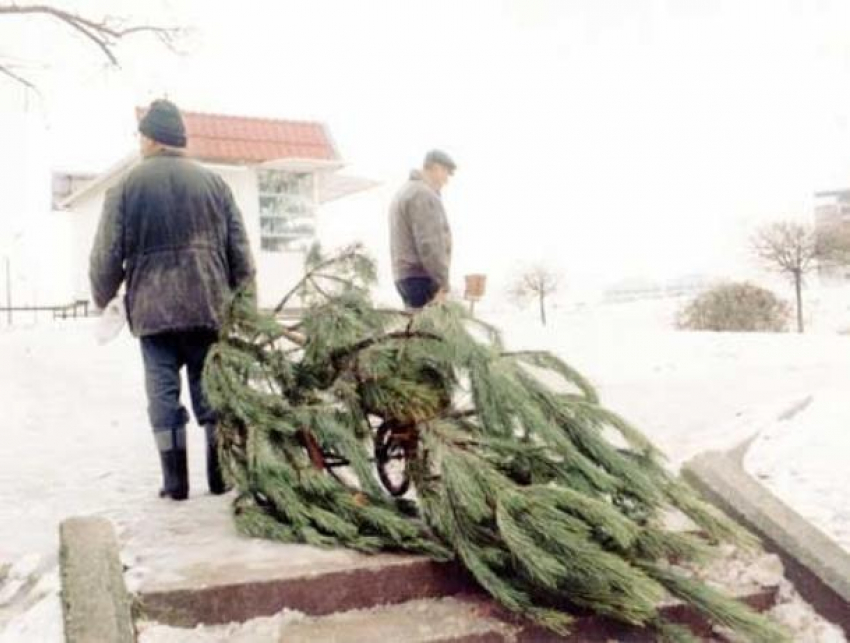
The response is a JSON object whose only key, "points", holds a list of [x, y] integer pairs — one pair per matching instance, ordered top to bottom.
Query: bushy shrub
{"points": [[739, 307]]}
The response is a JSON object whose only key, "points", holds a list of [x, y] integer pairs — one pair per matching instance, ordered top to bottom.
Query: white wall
{"points": [[362, 218], [83, 221], [34, 242]]}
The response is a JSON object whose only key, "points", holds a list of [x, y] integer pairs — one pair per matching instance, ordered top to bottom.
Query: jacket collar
{"points": [[167, 151], [416, 175]]}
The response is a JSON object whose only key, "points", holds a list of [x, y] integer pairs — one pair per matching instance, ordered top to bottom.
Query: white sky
{"points": [[612, 138]]}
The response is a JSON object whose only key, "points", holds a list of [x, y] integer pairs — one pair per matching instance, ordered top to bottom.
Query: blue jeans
{"points": [[416, 291], [164, 355]]}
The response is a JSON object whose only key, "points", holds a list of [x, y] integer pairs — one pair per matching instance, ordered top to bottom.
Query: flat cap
{"points": [[440, 157]]}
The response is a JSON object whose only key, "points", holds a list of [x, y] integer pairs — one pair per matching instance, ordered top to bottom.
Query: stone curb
{"points": [[818, 567], [95, 603]]}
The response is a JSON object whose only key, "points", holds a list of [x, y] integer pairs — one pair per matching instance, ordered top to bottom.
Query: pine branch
{"points": [[337, 259], [343, 353]]}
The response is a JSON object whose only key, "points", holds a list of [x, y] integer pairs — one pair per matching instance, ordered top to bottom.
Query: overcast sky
{"points": [[609, 137]]}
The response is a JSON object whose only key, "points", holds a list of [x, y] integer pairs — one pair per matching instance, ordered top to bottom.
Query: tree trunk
{"points": [[798, 287], [543, 308]]}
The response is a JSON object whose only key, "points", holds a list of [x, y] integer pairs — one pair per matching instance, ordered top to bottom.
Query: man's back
{"points": [[172, 203], [182, 243]]}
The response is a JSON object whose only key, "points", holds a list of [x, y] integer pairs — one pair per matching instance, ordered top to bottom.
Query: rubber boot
{"points": [[172, 457], [215, 480]]}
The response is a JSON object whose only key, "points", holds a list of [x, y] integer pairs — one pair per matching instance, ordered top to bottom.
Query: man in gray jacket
{"points": [[172, 233], [420, 237]]}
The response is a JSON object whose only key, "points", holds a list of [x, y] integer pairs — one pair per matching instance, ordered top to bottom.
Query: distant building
{"points": [[281, 172], [832, 207], [832, 212], [636, 288]]}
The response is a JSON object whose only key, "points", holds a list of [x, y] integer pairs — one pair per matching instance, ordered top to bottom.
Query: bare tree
{"points": [[104, 33], [791, 248], [538, 283]]}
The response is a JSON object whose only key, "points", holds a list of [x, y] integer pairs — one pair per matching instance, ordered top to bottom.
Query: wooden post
{"points": [[474, 289]]}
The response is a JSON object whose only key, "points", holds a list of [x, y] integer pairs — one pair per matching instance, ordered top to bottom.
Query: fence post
{"points": [[8, 291]]}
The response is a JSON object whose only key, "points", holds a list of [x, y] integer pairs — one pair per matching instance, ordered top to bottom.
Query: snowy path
{"points": [[75, 442]]}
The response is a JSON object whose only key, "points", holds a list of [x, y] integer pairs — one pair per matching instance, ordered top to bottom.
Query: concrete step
{"points": [[209, 575], [317, 582], [356, 582], [399, 599], [459, 619], [475, 619]]}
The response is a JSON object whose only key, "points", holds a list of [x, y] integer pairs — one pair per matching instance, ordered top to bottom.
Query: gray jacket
{"points": [[172, 231], [420, 237]]}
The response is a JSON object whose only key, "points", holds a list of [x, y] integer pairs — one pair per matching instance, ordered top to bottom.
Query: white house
{"points": [[281, 172]]}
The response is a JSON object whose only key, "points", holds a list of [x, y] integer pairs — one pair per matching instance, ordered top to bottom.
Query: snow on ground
{"points": [[688, 391], [76, 439], [803, 460], [257, 630]]}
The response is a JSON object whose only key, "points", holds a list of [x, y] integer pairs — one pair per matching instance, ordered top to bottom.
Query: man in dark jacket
{"points": [[172, 233], [420, 237]]}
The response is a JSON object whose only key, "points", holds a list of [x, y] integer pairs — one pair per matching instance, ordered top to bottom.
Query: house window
{"points": [[287, 210]]}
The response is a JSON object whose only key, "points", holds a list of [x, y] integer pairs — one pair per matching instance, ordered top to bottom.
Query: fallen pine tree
{"points": [[379, 429]]}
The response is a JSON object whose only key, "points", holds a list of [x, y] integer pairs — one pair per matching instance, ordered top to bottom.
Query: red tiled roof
{"points": [[241, 139]]}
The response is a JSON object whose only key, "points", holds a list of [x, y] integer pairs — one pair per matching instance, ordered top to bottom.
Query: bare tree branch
{"points": [[104, 34], [18, 78], [786, 246], [790, 248]]}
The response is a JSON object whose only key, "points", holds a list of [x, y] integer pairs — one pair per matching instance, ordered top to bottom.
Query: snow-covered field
{"points": [[76, 439]]}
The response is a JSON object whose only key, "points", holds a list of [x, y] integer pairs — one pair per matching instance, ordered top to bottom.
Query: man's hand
{"points": [[440, 297]]}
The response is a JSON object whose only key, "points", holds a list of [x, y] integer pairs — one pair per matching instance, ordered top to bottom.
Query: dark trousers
{"points": [[416, 292], [164, 355]]}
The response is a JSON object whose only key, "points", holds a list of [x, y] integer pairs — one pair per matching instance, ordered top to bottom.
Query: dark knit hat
{"points": [[164, 124]]}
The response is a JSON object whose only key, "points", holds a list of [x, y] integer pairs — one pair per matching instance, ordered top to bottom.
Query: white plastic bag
{"points": [[111, 321]]}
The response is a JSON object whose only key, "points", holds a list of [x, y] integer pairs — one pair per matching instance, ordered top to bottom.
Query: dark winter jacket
{"points": [[172, 231], [420, 237]]}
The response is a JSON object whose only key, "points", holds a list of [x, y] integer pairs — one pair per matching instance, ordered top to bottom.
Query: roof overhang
{"points": [[303, 165], [104, 180], [332, 186], [337, 186]]}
